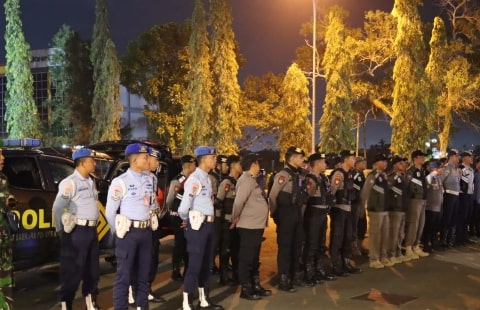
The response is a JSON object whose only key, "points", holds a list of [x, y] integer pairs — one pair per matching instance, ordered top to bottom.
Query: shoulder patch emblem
{"points": [[418, 174], [281, 179], [309, 185], [227, 187], [176, 189], [66, 191], [116, 193]]}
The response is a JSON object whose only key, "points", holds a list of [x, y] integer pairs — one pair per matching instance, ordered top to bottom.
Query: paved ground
{"points": [[445, 280]]}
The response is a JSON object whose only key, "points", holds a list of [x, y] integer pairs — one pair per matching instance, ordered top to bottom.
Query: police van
{"points": [[33, 174]]}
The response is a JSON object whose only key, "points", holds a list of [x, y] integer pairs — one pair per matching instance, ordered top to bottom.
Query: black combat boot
{"points": [[350, 268], [337, 270], [176, 275], [309, 275], [322, 275], [285, 284], [258, 288], [248, 292]]}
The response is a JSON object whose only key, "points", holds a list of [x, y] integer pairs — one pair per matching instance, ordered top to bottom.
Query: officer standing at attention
{"points": [[153, 163], [216, 176], [451, 185], [131, 195], [374, 195], [174, 198], [286, 200], [224, 202], [319, 203], [396, 210], [75, 211], [197, 211], [250, 214], [464, 214], [415, 216], [341, 220], [359, 220]]}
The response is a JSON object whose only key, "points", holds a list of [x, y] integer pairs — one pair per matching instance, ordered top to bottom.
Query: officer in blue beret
{"points": [[130, 202], [196, 210], [75, 211]]}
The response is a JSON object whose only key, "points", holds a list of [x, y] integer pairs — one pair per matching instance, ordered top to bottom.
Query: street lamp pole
{"points": [[314, 73]]}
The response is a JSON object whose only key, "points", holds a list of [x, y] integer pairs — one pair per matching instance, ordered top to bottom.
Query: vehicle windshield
{"points": [[102, 166]]}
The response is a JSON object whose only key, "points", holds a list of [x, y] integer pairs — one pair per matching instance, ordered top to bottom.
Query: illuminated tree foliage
{"points": [[156, 67], [225, 90], [106, 105], [198, 110], [294, 110], [21, 111], [411, 113], [258, 115], [70, 119], [336, 123]]}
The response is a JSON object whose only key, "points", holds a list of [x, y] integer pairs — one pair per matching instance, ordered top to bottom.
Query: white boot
{"points": [[417, 250], [410, 254], [202, 297], [131, 300], [186, 304], [64, 305]]}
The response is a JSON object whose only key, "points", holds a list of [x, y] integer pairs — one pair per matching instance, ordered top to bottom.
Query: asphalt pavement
{"points": [[444, 280]]}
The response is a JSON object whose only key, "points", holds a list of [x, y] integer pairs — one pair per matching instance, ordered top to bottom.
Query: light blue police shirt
{"points": [[131, 192], [197, 194], [78, 196]]}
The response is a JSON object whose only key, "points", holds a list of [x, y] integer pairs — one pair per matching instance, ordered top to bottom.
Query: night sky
{"points": [[267, 30]]}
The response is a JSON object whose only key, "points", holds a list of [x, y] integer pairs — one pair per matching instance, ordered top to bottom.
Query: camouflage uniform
{"points": [[6, 243]]}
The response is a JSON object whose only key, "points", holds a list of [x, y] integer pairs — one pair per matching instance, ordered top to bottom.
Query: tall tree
{"points": [[156, 67], [71, 75], [225, 91], [106, 105], [198, 110], [294, 110], [21, 111], [411, 112], [336, 123]]}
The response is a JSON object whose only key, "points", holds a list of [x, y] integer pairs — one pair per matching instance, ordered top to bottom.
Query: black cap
{"points": [[295, 150], [346, 153], [417, 153], [452, 153], [466, 153], [316, 156], [380, 157], [187, 159], [221, 159], [232, 159], [359, 159], [396, 159], [248, 160], [336, 160], [433, 164]]}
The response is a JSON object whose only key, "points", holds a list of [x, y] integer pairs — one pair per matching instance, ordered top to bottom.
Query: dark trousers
{"points": [[464, 213], [355, 214], [449, 216], [315, 221], [475, 223], [431, 228], [340, 236], [289, 239], [225, 245], [200, 248], [235, 251], [179, 252], [155, 253], [134, 255], [249, 255], [79, 262]]}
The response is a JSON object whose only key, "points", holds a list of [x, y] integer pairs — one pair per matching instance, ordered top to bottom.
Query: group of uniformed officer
{"points": [[228, 215]]}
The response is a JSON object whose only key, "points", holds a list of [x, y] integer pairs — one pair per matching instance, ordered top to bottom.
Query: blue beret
{"points": [[136, 148], [205, 150], [83, 152], [154, 153]]}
